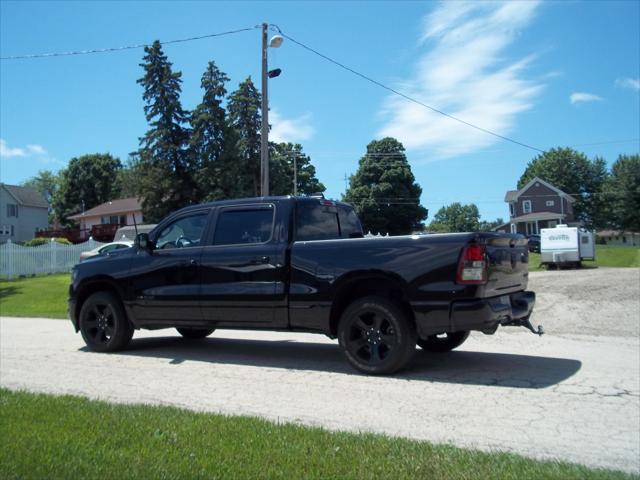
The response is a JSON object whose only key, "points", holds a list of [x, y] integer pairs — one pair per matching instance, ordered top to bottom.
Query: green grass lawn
{"points": [[606, 256], [44, 296], [43, 436]]}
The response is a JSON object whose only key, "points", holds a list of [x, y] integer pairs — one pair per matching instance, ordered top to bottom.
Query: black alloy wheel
{"points": [[103, 323], [195, 333], [376, 336], [444, 342]]}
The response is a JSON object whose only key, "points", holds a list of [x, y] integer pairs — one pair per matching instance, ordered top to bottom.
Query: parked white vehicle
{"points": [[128, 232], [565, 245], [105, 249]]}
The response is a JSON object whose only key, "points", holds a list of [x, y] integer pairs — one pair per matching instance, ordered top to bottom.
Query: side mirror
{"points": [[143, 242]]}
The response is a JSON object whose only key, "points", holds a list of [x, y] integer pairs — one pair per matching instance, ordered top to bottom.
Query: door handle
{"points": [[259, 260]]}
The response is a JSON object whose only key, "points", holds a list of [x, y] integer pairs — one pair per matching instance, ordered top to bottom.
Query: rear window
{"points": [[326, 222], [244, 226]]}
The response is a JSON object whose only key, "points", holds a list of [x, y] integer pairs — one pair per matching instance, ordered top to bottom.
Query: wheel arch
{"points": [[101, 284], [364, 284]]}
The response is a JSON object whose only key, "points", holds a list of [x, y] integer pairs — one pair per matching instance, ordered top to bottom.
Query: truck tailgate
{"points": [[508, 263]]}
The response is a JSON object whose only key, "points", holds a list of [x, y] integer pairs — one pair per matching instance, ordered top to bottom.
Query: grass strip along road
{"points": [[43, 436]]}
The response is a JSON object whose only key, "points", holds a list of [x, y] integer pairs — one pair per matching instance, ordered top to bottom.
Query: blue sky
{"points": [[546, 74]]}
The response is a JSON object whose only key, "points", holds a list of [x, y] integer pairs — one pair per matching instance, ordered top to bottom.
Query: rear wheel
{"points": [[103, 323], [195, 333], [376, 336], [443, 343]]}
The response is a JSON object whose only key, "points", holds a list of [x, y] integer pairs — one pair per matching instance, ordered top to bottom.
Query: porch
{"points": [[532, 223]]}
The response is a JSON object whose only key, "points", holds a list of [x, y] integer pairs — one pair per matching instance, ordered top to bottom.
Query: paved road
{"points": [[560, 396]]}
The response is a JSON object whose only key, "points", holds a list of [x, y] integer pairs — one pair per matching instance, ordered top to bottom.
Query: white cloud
{"points": [[464, 73], [626, 82], [582, 97], [293, 130], [36, 150], [6, 151], [29, 153]]}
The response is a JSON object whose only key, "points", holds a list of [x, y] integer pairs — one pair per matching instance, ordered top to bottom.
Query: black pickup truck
{"points": [[302, 264]]}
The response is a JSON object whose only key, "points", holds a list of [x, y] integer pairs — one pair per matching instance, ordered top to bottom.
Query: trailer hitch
{"points": [[526, 323]]}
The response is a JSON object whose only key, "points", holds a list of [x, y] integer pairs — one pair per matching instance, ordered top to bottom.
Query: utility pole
{"points": [[264, 134]]}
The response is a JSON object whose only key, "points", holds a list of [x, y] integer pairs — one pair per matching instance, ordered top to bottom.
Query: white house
{"points": [[23, 210]]}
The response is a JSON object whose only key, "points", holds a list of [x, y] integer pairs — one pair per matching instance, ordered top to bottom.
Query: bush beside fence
{"points": [[16, 260]]}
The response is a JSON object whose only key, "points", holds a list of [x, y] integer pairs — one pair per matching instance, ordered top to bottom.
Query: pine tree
{"points": [[245, 119], [212, 141], [281, 164], [166, 169], [384, 190]]}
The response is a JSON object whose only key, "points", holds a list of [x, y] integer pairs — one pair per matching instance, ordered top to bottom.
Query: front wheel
{"points": [[103, 323], [195, 333], [376, 336], [443, 343]]}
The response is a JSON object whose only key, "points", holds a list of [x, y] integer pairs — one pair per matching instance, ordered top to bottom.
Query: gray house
{"points": [[538, 205], [22, 212]]}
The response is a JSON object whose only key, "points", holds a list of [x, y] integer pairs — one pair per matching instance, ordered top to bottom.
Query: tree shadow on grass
{"points": [[9, 291], [458, 367]]}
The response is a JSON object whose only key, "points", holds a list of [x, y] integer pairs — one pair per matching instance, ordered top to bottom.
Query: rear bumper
{"points": [[483, 314], [486, 314]]}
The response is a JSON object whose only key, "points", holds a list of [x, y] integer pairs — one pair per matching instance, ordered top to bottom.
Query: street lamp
{"points": [[275, 42]]}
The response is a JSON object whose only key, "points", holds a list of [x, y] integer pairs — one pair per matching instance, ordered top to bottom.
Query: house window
{"points": [[550, 203], [526, 206], [12, 210], [512, 210], [123, 219], [513, 228], [4, 230], [12, 233], [624, 239]]}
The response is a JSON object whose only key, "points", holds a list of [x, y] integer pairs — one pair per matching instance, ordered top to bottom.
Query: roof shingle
{"points": [[27, 196], [122, 205]]}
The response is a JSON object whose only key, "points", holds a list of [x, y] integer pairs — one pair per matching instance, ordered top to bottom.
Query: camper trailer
{"points": [[566, 246]]}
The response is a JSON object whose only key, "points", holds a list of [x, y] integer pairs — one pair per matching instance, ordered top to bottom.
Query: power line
{"points": [[126, 47], [405, 96]]}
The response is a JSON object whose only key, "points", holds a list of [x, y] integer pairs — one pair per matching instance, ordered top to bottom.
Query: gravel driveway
{"points": [[570, 396]]}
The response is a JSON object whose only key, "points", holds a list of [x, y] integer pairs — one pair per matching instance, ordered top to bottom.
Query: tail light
{"points": [[472, 269]]}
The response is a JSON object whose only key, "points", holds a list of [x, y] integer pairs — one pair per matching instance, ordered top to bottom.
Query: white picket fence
{"points": [[53, 257]]}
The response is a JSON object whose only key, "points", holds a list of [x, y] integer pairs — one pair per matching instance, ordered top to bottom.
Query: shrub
{"points": [[36, 242]]}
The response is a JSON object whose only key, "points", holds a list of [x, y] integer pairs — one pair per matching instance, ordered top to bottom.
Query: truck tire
{"points": [[103, 323], [195, 333], [376, 336], [446, 343]]}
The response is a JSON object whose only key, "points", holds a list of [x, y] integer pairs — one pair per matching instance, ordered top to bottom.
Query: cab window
{"points": [[326, 222], [244, 226], [183, 233]]}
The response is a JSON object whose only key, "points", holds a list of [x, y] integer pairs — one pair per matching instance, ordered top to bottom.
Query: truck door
{"points": [[243, 270], [166, 282]]}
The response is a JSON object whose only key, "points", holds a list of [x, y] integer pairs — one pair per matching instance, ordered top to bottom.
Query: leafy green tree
{"points": [[245, 119], [213, 141], [282, 158], [166, 171], [573, 173], [87, 181], [45, 182], [384, 190], [622, 192], [456, 218], [486, 226]]}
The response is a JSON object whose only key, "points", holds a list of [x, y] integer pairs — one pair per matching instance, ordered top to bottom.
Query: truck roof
{"points": [[275, 199]]}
